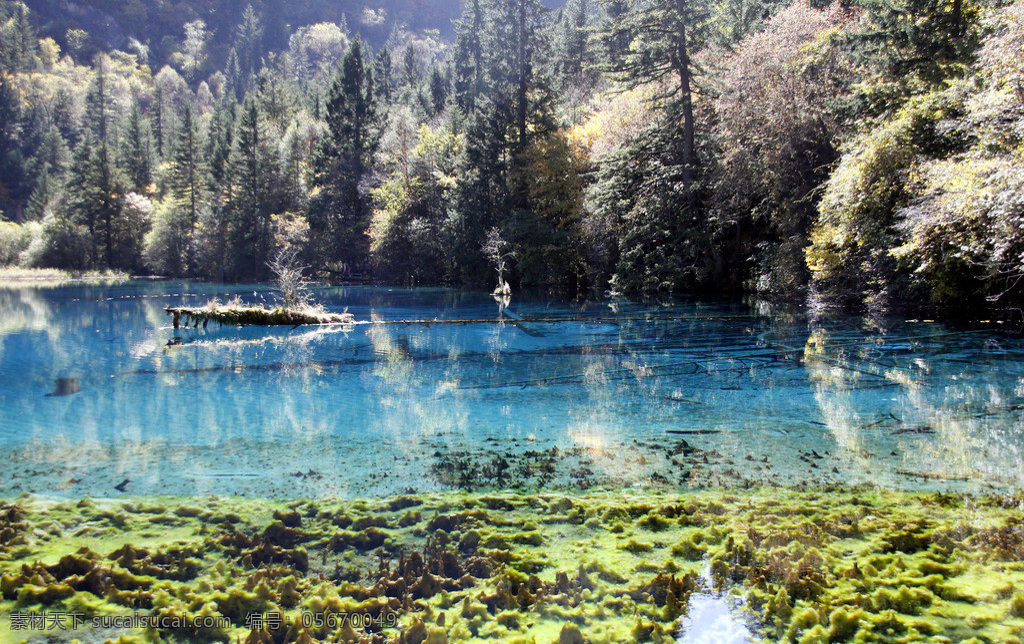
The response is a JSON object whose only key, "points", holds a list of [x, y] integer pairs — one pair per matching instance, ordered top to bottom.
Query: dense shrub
{"points": [[14, 239], [58, 243]]}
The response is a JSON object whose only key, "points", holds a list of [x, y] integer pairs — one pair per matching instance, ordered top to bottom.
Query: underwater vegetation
{"points": [[810, 566]]}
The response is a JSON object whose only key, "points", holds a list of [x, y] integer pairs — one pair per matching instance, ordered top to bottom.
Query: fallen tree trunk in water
{"points": [[242, 315], [253, 315]]}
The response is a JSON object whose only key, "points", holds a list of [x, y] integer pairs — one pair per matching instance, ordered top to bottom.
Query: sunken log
{"points": [[253, 315]]}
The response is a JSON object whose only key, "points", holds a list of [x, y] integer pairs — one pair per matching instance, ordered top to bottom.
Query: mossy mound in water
{"points": [[253, 315], [601, 567]]}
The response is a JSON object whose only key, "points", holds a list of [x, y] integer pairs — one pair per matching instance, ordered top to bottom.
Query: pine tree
{"points": [[735, 19], [662, 35], [930, 40], [614, 42], [248, 44], [515, 47], [18, 48], [503, 48], [573, 49], [469, 57], [298, 64], [410, 72], [233, 75], [385, 79], [438, 86], [276, 103], [99, 106], [62, 116], [158, 120], [219, 142], [138, 151], [50, 158], [12, 161], [293, 170], [187, 182], [96, 186], [94, 194], [255, 195], [42, 197], [481, 197], [339, 212], [214, 220], [174, 245], [660, 246]]}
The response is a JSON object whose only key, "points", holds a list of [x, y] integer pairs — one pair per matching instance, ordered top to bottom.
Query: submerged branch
{"points": [[242, 315], [254, 315]]}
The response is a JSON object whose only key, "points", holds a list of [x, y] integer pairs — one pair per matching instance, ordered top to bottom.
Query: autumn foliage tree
{"points": [[779, 124]]}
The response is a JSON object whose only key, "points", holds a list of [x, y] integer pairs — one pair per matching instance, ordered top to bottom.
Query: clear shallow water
{"points": [[599, 394], [714, 617]]}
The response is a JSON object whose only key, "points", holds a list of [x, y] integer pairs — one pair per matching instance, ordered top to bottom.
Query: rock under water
{"points": [[65, 387]]}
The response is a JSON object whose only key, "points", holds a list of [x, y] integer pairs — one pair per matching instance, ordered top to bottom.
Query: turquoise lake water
{"points": [[558, 395]]}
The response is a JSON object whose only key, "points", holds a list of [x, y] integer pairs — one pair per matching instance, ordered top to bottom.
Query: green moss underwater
{"points": [[825, 566]]}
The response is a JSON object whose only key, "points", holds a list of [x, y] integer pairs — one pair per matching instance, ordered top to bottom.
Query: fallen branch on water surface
{"points": [[239, 315], [316, 316]]}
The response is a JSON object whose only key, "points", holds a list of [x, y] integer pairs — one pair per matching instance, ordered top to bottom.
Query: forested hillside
{"points": [[154, 30], [866, 153]]}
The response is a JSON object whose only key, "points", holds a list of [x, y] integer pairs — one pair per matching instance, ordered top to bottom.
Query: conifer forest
{"points": [[865, 153]]}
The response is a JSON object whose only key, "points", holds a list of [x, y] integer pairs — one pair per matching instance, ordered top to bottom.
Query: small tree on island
{"points": [[499, 253], [287, 272]]}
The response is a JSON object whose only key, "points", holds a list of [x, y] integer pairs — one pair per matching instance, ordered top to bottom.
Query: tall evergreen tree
{"points": [[662, 36], [17, 38], [929, 40], [614, 42], [248, 45], [516, 45], [573, 55], [470, 70], [410, 72], [233, 75], [385, 76], [438, 86], [276, 103], [99, 107], [513, 112], [159, 126], [219, 142], [137, 152], [12, 161], [47, 167], [293, 170], [187, 182], [96, 187], [255, 195], [42, 196], [94, 197], [481, 197], [339, 211], [215, 222], [657, 245], [173, 246]]}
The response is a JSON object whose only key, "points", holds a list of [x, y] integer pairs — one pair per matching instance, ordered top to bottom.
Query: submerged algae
{"points": [[602, 567]]}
